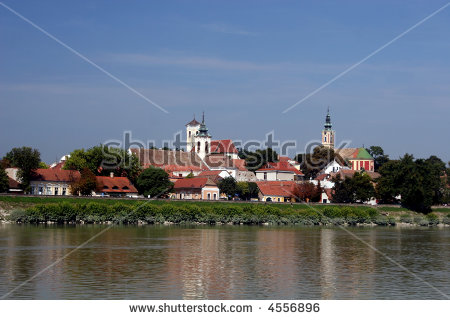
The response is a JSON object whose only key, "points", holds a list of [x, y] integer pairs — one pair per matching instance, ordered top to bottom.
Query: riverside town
{"points": [[362, 179]]}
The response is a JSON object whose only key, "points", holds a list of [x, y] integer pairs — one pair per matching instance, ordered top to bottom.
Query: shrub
{"points": [[406, 218], [433, 219]]}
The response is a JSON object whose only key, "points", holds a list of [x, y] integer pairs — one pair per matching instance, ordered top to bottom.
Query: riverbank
{"points": [[121, 211]]}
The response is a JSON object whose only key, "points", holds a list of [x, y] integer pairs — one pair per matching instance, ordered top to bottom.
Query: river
{"points": [[223, 262]]}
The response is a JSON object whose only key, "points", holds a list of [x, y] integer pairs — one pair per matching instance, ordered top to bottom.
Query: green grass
{"points": [[393, 209], [443, 210]]}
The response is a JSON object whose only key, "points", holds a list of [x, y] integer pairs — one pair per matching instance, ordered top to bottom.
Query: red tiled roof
{"points": [[193, 123], [223, 146], [159, 158], [280, 158], [219, 161], [240, 164], [58, 166], [280, 166], [174, 167], [210, 173], [55, 175], [321, 177], [194, 183], [13, 184], [115, 184], [277, 188], [329, 192]]}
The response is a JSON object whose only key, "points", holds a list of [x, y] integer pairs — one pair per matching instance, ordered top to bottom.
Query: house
{"points": [[224, 147], [356, 158], [169, 160], [333, 166], [278, 171], [215, 175], [13, 180], [55, 182], [115, 187], [198, 188], [277, 191], [327, 195]]}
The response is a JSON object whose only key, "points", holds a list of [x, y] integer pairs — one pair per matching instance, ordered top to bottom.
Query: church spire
{"points": [[328, 120], [203, 130]]}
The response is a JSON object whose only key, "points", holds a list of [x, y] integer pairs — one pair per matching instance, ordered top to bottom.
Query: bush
{"points": [[406, 218], [433, 219]]}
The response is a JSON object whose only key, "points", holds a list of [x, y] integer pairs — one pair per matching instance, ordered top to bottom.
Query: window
{"points": [[189, 134], [325, 139], [198, 146], [206, 146], [180, 175], [265, 175], [32, 190], [41, 190], [49, 190], [56, 191], [64, 191], [209, 196], [215, 196]]}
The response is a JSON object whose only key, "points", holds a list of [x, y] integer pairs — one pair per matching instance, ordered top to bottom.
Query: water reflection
{"points": [[223, 262]]}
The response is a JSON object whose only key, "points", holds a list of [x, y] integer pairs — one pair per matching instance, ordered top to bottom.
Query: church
{"points": [[198, 140], [355, 158]]}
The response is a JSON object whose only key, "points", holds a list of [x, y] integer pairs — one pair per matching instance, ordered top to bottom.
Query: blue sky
{"points": [[242, 62]]}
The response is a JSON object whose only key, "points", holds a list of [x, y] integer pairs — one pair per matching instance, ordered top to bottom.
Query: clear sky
{"points": [[242, 62]]}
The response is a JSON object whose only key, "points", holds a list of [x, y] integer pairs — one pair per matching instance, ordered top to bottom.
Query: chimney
{"points": [[111, 174]]}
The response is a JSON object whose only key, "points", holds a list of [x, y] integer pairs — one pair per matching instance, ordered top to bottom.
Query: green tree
{"points": [[379, 157], [256, 159], [27, 160], [102, 160], [313, 163], [43, 165], [190, 175], [4, 181], [154, 182], [418, 183], [86, 184], [228, 186], [358, 188]]}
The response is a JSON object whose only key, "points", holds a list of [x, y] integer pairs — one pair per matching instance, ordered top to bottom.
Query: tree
{"points": [[379, 157], [257, 159], [27, 160], [102, 160], [313, 163], [43, 165], [190, 175], [4, 181], [154, 182], [418, 183], [86, 184], [228, 186], [358, 188], [247, 190], [307, 192]]}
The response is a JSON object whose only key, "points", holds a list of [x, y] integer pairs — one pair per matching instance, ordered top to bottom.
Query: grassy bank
{"points": [[94, 210]]}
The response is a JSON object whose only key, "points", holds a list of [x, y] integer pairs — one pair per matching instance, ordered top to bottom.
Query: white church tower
{"points": [[192, 129], [202, 140]]}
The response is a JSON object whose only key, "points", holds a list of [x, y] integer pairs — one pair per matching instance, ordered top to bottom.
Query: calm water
{"points": [[224, 262]]}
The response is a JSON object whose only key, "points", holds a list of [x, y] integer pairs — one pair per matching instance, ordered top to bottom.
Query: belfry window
{"points": [[198, 146]]}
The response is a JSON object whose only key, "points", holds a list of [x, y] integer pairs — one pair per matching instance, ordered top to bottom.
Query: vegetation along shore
{"points": [[21, 209]]}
